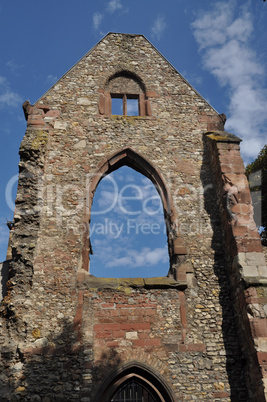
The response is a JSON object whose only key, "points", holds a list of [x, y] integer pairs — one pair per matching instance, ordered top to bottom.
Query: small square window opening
{"points": [[125, 105], [117, 106], [132, 107]]}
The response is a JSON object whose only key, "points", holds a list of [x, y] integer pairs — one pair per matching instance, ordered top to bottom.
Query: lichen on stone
{"points": [[41, 139]]}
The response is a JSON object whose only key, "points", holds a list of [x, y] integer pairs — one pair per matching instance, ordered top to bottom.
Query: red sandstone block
{"points": [[151, 94], [101, 104], [44, 107], [53, 113], [203, 119], [38, 122], [224, 146], [235, 153], [117, 158], [226, 168], [238, 168], [244, 196], [246, 208], [237, 209], [239, 230], [253, 234], [249, 246], [108, 305], [148, 305], [127, 306], [182, 309], [150, 311], [124, 312], [101, 313], [114, 313], [135, 318], [150, 318], [122, 319], [105, 320], [141, 325], [126, 326], [135, 326], [98, 327], [111, 327], [259, 327], [104, 334], [118, 334], [143, 335], [138, 342], [152, 342], [112, 344], [182, 347], [196, 347], [262, 358], [221, 394]]}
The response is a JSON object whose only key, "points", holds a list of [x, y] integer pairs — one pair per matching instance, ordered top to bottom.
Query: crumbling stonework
{"points": [[197, 334]]}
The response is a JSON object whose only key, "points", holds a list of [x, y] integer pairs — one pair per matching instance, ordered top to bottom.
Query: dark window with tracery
{"points": [[135, 384], [134, 391]]}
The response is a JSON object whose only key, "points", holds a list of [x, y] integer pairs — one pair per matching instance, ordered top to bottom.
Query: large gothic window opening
{"points": [[127, 229]]}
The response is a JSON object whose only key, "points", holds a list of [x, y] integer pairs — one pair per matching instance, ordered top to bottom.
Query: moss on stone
{"points": [[223, 136], [217, 137], [41, 139], [36, 333]]}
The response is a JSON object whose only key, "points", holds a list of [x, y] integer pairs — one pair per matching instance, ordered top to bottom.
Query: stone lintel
{"points": [[223, 136], [88, 281]]}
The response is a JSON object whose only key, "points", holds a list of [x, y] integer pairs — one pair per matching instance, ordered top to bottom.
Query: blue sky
{"points": [[220, 48]]}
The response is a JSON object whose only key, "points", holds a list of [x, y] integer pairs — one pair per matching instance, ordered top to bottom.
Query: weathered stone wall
{"points": [[64, 332]]}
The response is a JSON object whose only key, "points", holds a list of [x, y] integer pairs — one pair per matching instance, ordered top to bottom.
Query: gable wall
{"points": [[67, 332]]}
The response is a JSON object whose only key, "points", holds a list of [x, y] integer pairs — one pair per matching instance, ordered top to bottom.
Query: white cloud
{"points": [[114, 5], [97, 19], [158, 28], [224, 41], [7, 96], [135, 258]]}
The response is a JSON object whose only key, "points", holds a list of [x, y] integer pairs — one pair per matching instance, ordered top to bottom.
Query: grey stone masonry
{"points": [[198, 333]]}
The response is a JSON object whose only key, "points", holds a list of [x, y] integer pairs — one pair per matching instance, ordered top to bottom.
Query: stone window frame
{"points": [[125, 96], [105, 97], [128, 157]]}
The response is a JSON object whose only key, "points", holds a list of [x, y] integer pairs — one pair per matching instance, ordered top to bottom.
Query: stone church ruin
{"points": [[197, 333]]}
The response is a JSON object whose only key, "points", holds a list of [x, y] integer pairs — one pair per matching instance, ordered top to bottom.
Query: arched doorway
{"points": [[135, 382]]}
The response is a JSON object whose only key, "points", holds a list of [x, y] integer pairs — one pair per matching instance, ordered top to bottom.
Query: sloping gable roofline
{"points": [[151, 44]]}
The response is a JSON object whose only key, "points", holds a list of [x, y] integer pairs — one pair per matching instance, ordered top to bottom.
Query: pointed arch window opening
{"points": [[127, 157], [129, 239]]}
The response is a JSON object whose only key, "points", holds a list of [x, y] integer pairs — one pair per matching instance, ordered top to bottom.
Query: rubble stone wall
{"points": [[62, 331]]}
